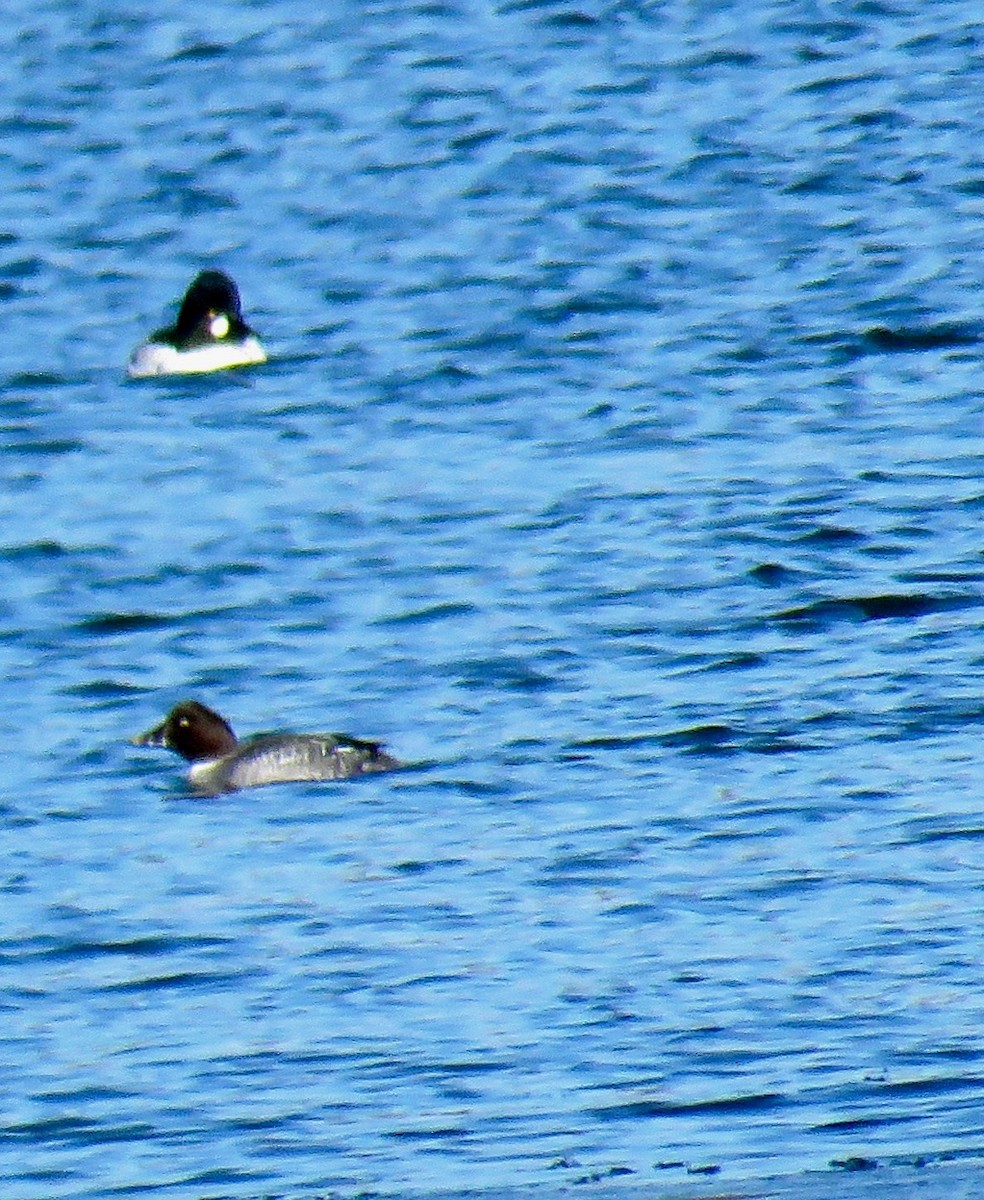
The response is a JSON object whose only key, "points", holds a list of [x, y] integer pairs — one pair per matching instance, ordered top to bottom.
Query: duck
{"points": [[209, 335], [220, 762]]}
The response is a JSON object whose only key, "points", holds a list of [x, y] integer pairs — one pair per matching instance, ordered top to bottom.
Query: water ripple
{"points": [[616, 463]]}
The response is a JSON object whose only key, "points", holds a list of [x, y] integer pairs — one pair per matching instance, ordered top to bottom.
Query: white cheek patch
{"points": [[219, 326]]}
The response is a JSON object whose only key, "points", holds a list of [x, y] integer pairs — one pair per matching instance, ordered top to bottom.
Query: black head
{"points": [[211, 310], [193, 731]]}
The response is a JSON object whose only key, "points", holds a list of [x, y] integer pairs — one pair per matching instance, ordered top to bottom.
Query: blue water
{"points": [[618, 463]]}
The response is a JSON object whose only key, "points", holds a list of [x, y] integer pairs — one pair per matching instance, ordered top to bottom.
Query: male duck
{"points": [[209, 335]]}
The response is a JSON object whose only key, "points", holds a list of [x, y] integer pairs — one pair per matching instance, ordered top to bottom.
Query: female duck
{"points": [[209, 335], [221, 763]]}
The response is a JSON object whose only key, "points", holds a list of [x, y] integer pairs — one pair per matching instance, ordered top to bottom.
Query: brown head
{"points": [[193, 731]]}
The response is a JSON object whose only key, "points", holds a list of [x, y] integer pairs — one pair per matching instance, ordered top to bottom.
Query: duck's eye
{"points": [[219, 326], [183, 722]]}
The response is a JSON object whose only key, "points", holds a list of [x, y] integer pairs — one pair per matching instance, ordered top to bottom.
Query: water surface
{"points": [[618, 464]]}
